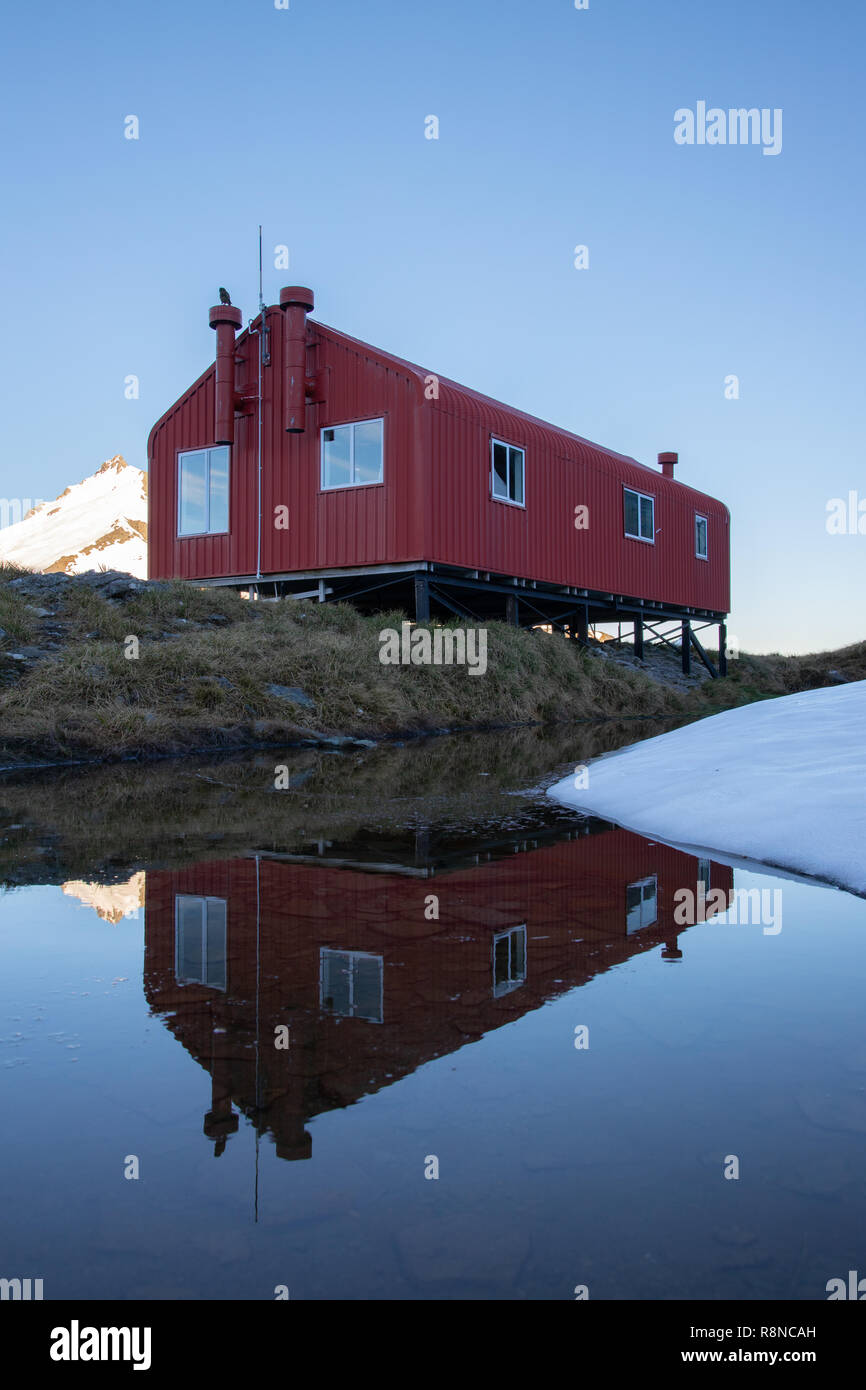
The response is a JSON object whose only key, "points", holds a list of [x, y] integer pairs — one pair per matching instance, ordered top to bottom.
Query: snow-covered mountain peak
{"points": [[99, 523]]}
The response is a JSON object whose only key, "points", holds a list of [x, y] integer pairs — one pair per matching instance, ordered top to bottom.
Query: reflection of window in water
{"points": [[704, 875], [641, 906], [200, 941], [509, 959], [350, 984]]}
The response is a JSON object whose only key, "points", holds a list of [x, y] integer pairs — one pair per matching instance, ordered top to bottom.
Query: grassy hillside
{"points": [[208, 662], [213, 670], [764, 677]]}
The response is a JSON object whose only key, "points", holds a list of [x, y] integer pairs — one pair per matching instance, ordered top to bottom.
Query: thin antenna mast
{"points": [[261, 300], [265, 343], [258, 1038]]}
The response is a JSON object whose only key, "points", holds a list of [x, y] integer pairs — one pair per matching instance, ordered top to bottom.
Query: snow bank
{"points": [[782, 782]]}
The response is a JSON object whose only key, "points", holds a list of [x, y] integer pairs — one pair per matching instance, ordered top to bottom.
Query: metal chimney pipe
{"points": [[296, 302], [226, 319], [668, 463]]}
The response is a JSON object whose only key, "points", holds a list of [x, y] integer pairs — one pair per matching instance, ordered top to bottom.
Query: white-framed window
{"points": [[353, 455], [507, 466], [203, 491], [639, 515], [701, 538], [704, 875], [641, 904], [200, 941], [509, 960], [350, 984]]}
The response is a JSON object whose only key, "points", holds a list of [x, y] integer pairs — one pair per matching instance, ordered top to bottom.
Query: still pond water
{"points": [[163, 930]]}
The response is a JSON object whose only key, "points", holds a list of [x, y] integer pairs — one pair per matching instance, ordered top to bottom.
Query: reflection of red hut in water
{"points": [[367, 981]]}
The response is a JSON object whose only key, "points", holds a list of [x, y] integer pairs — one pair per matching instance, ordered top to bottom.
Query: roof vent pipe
{"points": [[296, 302], [226, 319], [668, 463]]}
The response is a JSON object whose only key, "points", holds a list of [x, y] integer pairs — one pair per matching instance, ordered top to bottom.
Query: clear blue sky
{"points": [[556, 128]]}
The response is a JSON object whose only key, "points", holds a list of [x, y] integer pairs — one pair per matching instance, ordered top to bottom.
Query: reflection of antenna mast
{"points": [[258, 993]]}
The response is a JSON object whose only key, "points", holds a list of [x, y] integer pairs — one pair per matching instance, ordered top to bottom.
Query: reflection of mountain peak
{"points": [[111, 901]]}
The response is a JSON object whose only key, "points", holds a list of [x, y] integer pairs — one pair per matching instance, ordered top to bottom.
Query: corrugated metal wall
{"points": [[434, 503], [378, 524], [470, 528]]}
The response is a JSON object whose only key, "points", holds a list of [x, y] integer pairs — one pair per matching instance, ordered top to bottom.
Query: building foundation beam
{"points": [[422, 598]]}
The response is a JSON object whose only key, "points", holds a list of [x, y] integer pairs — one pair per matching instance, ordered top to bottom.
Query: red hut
{"points": [[305, 462], [344, 957]]}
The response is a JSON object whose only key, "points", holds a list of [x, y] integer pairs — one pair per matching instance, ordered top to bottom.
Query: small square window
{"points": [[353, 455], [506, 474], [639, 515], [701, 540], [704, 876], [641, 904], [509, 960], [350, 984]]}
